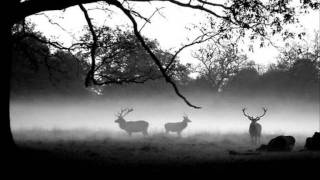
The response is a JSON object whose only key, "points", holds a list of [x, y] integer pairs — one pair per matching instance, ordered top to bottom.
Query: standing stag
{"points": [[131, 126], [177, 126], [255, 128]]}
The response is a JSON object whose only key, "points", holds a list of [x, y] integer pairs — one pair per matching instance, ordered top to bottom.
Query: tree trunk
{"points": [[6, 133]]}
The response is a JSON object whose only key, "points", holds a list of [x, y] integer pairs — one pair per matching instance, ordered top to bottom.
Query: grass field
{"points": [[199, 152]]}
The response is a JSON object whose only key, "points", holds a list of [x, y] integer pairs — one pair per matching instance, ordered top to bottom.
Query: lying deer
{"points": [[131, 126], [177, 126], [255, 128]]}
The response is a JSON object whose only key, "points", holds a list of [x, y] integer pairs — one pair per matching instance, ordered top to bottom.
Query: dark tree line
{"points": [[121, 59], [300, 80]]}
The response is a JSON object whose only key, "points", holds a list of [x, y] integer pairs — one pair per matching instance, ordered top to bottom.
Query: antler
{"points": [[128, 111], [124, 112], [264, 112], [120, 113], [244, 113], [185, 115]]}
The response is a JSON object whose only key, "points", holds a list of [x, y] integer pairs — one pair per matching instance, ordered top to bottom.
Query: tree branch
{"points": [[214, 4], [148, 20], [198, 40], [153, 56], [90, 75]]}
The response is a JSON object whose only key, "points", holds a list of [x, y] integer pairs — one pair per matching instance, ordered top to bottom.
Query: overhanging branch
{"points": [[153, 56], [90, 75]]}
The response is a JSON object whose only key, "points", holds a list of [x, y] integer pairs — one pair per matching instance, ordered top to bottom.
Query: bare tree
{"points": [[218, 64]]}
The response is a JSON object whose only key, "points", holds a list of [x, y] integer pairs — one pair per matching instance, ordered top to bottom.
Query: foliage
{"points": [[256, 20], [121, 58], [219, 63], [35, 68]]}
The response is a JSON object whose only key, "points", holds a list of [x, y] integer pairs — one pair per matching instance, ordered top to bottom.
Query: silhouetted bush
{"points": [[279, 143], [313, 143]]}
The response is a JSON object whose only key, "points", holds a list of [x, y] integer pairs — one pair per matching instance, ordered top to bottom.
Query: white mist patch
{"points": [[218, 115]]}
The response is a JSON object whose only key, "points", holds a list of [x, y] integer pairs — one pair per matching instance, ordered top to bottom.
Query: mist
{"points": [[219, 114]]}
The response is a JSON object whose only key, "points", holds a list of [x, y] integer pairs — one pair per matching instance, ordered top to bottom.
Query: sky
{"points": [[169, 27]]}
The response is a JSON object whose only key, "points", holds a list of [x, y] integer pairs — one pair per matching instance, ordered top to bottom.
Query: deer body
{"points": [[132, 126], [177, 127], [255, 128], [255, 131]]}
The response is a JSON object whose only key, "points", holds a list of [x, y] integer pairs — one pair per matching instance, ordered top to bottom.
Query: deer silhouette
{"points": [[131, 126], [177, 127], [254, 128]]}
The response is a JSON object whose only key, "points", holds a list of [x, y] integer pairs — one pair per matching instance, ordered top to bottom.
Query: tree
{"points": [[240, 15], [299, 50], [121, 58], [299, 63], [218, 64], [36, 69], [304, 76], [245, 80]]}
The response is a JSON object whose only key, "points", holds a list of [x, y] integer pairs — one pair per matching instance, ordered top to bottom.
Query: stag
{"points": [[131, 126], [177, 126], [254, 128]]}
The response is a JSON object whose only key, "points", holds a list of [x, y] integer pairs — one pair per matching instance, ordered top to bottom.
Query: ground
{"points": [[81, 152]]}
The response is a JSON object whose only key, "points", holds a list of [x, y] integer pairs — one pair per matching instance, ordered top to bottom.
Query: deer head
{"points": [[120, 116], [186, 118], [252, 118]]}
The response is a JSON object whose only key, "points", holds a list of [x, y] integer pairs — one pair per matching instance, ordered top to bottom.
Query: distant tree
{"points": [[304, 49], [287, 57], [120, 58], [218, 64], [35, 69], [304, 70], [66, 72], [181, 73], [304, 77], [246, 80], [275, 81]]}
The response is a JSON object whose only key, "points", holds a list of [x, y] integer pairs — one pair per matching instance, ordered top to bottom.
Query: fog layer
{"points": [[218, 114]]}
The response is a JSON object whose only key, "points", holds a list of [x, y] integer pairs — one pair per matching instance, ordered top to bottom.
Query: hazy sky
{"points": [[168, 28]]}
